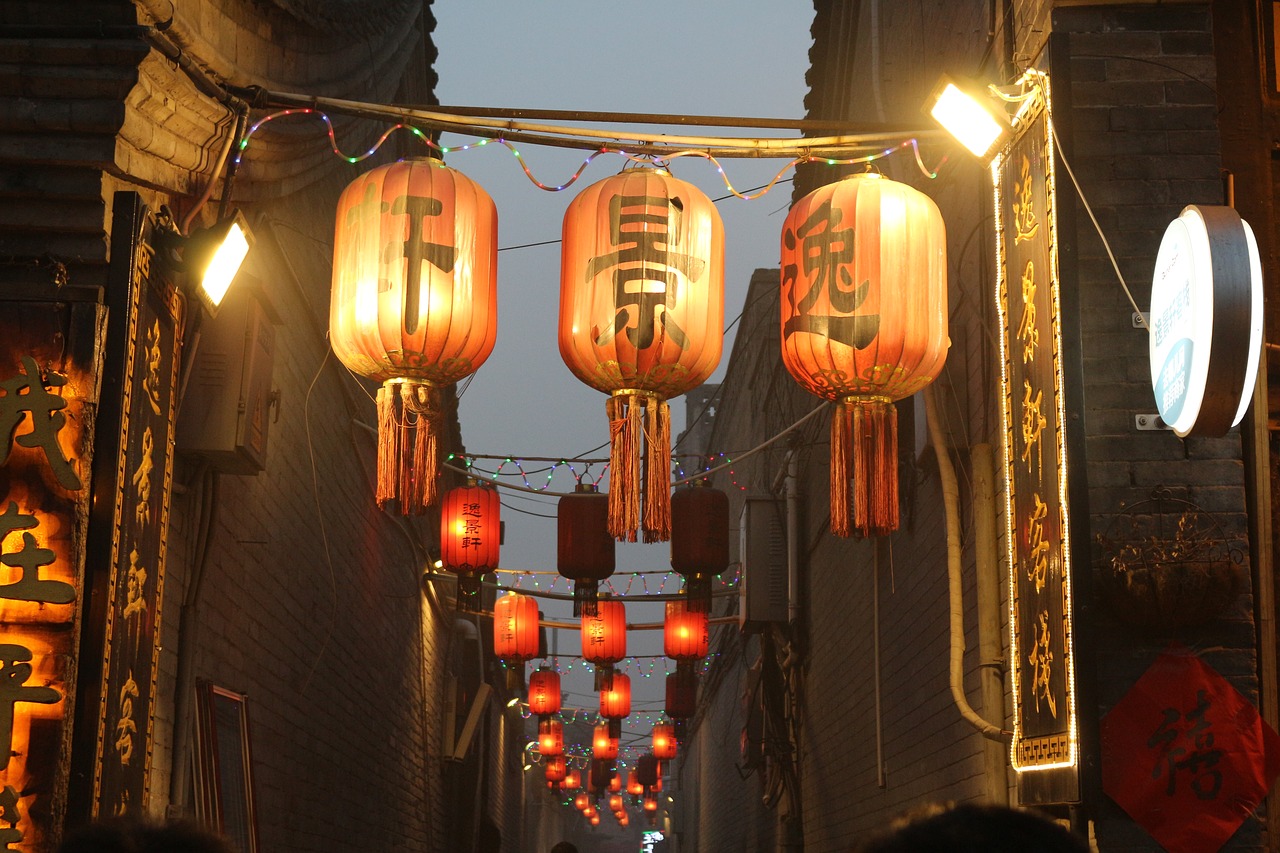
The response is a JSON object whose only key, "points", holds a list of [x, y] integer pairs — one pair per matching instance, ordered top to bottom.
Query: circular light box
{"points": [[1206, 320]]}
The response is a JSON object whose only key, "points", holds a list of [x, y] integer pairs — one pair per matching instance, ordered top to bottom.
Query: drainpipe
{"points": [[951, 500], [793, 535], [990, 647]]}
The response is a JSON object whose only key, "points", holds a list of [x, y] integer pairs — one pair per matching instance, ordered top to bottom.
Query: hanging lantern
{"points": [[414, 306], [641, 318], [864, 323], [470, 526], [699, 539], [584, 547], [515, 632], [684, 634], [604, 638], [544, 692], [682, 699], [615, 702], [550, 738], [664, 741], [603, 745], [555, 768], [646, 772], [598, 775], [572, 781], [615, 783], [633, 784], [656, 787], [581, 801], [615, 803], [650, 804], [589, 812], [624, 819], [595, 820]]}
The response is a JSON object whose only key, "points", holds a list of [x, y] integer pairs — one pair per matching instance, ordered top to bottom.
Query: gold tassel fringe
{"points": [[409, 419], [873, 441], [639, 466], [840, 470], [657, 471]]}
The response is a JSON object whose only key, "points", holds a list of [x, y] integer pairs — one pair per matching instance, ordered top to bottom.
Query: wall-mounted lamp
{"points": [[971, 114], [213, 257]]}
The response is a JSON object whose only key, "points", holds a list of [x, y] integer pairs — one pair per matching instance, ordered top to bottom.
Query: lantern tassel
{"points": [[409, 417], [626, 431], [874, 438], [840, 453], [657, 471], [586, 597], [604, 676]]}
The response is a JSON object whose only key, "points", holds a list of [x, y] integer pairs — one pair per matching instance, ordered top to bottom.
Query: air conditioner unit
{"points": [[762, 589]]}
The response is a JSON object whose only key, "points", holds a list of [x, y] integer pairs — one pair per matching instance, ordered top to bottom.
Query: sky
{"points": [[724, 57]]}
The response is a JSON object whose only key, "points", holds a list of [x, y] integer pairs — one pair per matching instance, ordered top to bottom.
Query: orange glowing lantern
{"points": [[414, 306], [641, 314], [864, 323], [470, 526], [699, 539], [584, 547], [515, 627], [684, 633], [604, 638], [544, 692], [615, 698], [551, 739], [664, 741], [603, 745], [555, 768], [572, 781], [615, 783], [633, 784], [581, 801], [615, 803], [650, 804], [589, 812], [624, 819], [595, 820]]}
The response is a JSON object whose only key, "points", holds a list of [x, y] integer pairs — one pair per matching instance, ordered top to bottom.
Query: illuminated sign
{"points": [[1206, 291], [1045, 748], [649, 840]]}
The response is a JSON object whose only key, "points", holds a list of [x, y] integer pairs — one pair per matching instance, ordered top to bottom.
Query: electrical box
{"points": [[225, 411], [762, 589]]}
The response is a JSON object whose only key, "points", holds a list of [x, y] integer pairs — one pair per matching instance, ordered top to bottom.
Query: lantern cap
{"points": [[586, 488]]}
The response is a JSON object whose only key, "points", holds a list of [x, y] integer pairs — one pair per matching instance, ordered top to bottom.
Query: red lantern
{"points": [[414, 306], [641, 314], [864, 323], [470, 530], [699, 539], [584, 547], [515, 627], [684, 634], [604, 637], [544, 692], [615, 697], [682, 699], [551, 739], [664, 742], [603, 746], [555, 768], [646, 772], [598, 776], [572, 780], [615, 783], [633, 784], [581, 801], [615, 803], [650, 804], [589, 812], [624, 819], [595, 820]]}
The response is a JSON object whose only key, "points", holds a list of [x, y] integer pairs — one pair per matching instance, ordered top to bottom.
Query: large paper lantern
{"points": [[414, 306], [641, 318], [864, 323], [470, 533], [699, 539], [584, 546], [515, 628], [684, 634], [604, 638], [544, 692], [615, 698], [681, 698], [551, 738], [664, 741], [604, 745], [555, 768], [572, 780], [633, 784], [581, 801]]}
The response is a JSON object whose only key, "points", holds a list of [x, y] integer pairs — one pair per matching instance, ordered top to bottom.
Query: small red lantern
{"points": [[414, 306], [641, 319], [864, 323], [470, 532], [699, 539], [584, 547], [515, 627], [684, 635], [604, 637], [544, 692], [615, 698], [682, 699], [551, 739], [664, 742], [603, 745], [555, 768], [646, 772], [572, 781], [615, 783], [633, 784], [581, 801], [615, 803], [650, 804], [589, 812], [624, 819], [595, 820]]}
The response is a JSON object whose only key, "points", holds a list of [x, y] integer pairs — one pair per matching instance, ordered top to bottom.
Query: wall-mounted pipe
{"points": [[990, 647]]}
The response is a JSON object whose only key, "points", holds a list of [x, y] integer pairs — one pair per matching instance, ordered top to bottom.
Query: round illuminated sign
{"points": [[1206, 320]]}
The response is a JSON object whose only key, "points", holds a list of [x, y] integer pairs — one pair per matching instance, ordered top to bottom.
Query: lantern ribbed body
{"points": [[415, 279], [642, 284], [864, 289], [470, 530], [699, 530], [584, 549], [515, 627], [684, 632], [604, 636], [544, 692], [682, 696], [615, 697], [551, 738], [664, 742], [602, 745], [555, 768], [646, 772], [599, 775], [634, 788], [581, 801], [615, 801]]}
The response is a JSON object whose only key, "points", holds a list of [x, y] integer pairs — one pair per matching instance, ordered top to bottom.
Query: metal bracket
{"points": [[1141, 319], [1149, 422]]}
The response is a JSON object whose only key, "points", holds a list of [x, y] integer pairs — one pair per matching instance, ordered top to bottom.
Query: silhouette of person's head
{"points": [[976, 829], [564, 847]]}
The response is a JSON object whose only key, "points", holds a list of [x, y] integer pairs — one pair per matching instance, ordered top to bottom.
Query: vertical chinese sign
{"points": [[50, 364], [138, 503], [1045, 750]]}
